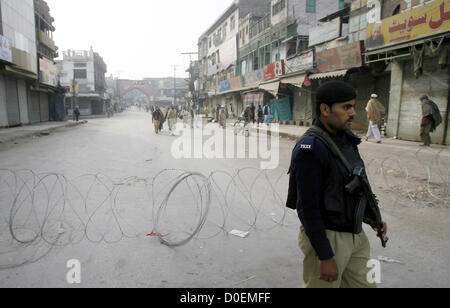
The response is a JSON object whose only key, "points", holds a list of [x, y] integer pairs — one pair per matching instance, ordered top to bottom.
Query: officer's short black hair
{"points": [[334, 92]]}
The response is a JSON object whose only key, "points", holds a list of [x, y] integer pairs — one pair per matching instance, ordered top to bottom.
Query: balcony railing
{"points": [[47, 41]]}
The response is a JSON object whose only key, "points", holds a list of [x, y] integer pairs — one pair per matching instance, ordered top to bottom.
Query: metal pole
{"points": [[175, 85], [73, 96], [447, 112]]}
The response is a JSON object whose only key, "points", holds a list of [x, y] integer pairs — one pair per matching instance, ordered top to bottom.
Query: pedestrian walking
{"points": [[253, 110], [230, 111], [374, 111], [206, 112], [76, 113], [217, 113], [267, 114], [213, 115], [260, 115], [158, 116], [185, 116], [192, 116], [223, 118], [172, 119], [431, 119], [335, 247]]}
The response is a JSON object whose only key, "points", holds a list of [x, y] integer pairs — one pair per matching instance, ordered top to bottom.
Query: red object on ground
{"points": [[156, 234]]}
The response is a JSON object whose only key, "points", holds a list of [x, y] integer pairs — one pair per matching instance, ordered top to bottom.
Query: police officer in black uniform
{"points": [[335, 254]]}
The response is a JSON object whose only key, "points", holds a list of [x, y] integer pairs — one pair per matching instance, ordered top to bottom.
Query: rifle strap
{"points": [[332, 146]]}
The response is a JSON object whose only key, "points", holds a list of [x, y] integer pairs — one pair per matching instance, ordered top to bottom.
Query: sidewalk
{"points": [[26, 131], [294, 133]]}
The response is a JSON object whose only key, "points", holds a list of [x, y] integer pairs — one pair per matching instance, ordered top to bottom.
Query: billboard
{"points": [[421, 22], [325, 32], [5, 49], [340, 58], [302, 62], [274, 70], [48, 72], [254, 78]]}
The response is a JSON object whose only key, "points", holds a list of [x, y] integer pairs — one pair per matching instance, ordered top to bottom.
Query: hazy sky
{"points": [[136, 38]]}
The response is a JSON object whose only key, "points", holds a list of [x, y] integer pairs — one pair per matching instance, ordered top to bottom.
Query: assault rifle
{"points": [[372, 214]]}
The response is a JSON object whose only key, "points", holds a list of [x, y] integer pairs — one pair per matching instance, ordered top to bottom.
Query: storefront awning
{"points": [[329, 75], [297, 80], [271, 87], [237, 90], [253, 98]]}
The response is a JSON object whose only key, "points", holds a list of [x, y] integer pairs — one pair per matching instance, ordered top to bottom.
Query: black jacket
{"points": [[317, 187]]}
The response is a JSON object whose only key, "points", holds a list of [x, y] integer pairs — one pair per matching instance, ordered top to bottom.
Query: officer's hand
{"points": [[384, 230], [329, 271]]}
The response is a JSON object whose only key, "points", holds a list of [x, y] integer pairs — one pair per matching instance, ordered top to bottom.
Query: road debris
{"points": [[238, 233]]}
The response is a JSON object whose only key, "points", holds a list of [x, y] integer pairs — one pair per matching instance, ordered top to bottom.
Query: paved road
{"points": [[109, 167]]}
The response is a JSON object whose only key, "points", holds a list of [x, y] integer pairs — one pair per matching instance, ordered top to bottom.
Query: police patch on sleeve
{"points": [[307, 144]]}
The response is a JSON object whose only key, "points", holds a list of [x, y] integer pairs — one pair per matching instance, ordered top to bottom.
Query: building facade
{"points": [[411, 42], [271, 44], [397, 49], [18, 61], [83, 72], [29, 91], [45, 92]]}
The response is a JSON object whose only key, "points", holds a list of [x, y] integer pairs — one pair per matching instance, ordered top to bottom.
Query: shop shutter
{"points": [[12, 101], [43, 102], [34, 108]]}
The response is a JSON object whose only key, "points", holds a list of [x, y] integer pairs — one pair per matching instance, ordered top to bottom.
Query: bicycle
{"points": [[242, 127]]}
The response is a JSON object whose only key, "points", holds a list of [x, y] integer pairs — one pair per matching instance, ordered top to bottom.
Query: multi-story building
{"points": [[272, 37], [218, 47], [18, 62], [85, 69], [44, 92]]}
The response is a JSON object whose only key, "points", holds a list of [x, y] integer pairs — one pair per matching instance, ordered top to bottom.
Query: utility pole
{"points": [[175, 85], [74, 93], [194, 95]]}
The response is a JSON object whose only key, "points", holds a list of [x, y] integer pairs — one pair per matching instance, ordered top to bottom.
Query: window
{"points": [[341, 4], [310, 6], [278, 7], [232, 23], [267, 55], [255, 61], [80, 64], [80, 74]]}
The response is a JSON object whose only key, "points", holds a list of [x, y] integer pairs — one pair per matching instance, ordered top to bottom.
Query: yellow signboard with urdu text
{"points": [[421, 22]]}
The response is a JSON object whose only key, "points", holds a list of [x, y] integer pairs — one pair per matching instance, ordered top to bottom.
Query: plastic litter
{"points": [[238, 233], [388, 260]]}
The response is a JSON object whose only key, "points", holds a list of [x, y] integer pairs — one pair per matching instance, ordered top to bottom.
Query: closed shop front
{"points": [[12, 101], [23, 101], [43, 103], [34, 108]]}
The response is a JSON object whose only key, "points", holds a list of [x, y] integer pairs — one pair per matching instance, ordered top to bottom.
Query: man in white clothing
{"points": [[374, 111]]}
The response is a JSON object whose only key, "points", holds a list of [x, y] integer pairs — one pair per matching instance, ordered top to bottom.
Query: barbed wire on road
{"points": [[40, 213]]}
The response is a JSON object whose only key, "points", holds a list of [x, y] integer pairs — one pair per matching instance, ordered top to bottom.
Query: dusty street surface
{"points": [[113, 194]]}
